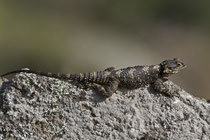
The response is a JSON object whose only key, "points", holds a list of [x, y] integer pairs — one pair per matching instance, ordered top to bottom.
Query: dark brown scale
{"points": [[54, 75], [84, 75], [63, 76], [72, 76], [91, 76], [77, 77], [88, 77], [96, 77], [99, 77], [103, 79]]}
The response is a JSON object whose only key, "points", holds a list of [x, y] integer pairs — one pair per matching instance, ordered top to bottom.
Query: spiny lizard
{"points": [[107, 81]]}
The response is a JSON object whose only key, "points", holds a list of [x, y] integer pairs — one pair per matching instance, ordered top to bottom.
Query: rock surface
{"points": [[38, 107]]}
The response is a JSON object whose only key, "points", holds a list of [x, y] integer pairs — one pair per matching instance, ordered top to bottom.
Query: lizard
{"points": [[108, 80]]}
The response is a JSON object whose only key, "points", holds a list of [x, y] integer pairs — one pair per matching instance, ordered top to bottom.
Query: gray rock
{"points": [[38, 107]]}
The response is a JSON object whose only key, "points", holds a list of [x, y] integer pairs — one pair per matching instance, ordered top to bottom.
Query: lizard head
{"points": [[172, 66]]}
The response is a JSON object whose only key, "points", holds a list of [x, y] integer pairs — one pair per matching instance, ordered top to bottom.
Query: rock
{"points": [[38, 107]]}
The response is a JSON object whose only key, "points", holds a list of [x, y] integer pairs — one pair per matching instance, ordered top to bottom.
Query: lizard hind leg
{"points": [[109, 89]]}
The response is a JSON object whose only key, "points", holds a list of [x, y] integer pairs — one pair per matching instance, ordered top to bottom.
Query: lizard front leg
{"points": [[163, 86], [109, 89]]}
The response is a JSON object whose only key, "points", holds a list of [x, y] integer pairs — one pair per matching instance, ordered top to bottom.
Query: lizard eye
{"points": [[179, 64]]}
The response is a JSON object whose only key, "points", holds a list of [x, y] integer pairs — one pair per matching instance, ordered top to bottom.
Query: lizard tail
{"points": [[13, 72], [48, 74], [95, 77], [99, 77]]}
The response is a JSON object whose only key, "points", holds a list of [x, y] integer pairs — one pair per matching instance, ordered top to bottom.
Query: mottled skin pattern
{"points": [[107, 81]]}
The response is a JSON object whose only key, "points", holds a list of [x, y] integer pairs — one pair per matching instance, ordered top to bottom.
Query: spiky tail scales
{"points": [[96, 77]]}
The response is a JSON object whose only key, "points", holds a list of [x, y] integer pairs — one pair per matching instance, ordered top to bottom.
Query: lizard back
{"points": [[137, 76]]}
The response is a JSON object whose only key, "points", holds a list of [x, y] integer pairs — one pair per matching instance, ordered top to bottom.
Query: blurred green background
{"points": [[80, 36]]}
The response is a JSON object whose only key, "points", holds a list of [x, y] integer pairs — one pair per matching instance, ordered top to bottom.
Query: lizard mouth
{"points": [[180, 68], [169, 71]]}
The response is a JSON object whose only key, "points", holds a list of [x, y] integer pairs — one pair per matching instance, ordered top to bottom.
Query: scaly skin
{"points": [[107, 81]]}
